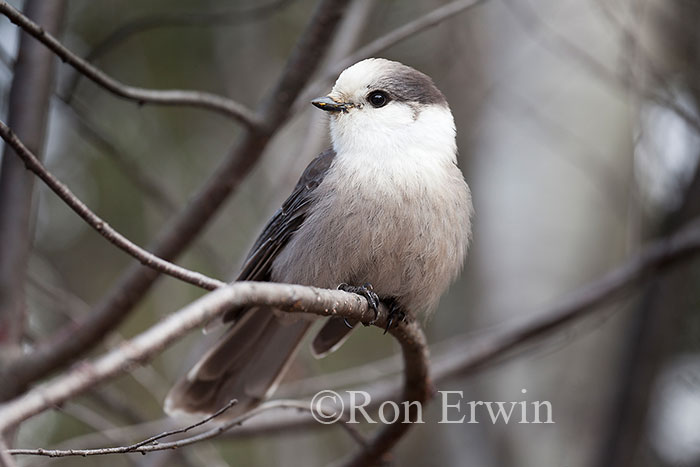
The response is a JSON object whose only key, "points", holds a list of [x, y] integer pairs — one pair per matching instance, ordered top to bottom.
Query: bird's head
{"points": [[381, 105]]}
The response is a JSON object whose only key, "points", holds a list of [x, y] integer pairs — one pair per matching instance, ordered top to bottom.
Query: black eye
{"points": [[378, 98]]}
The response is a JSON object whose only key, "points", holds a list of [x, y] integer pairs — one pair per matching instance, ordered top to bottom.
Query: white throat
{"points": [[425, 134]]}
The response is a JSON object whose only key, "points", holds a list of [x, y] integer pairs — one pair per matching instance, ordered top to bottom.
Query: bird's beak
{"points": [[326, 103]]}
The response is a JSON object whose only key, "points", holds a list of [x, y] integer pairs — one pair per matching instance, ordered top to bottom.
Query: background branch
{"points": [[224, 17], [32, 86], [199, 99], [103, 228], [177, 234], [655, 258], [288, 297]]}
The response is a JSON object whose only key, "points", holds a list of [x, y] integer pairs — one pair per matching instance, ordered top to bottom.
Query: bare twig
{"points": [[198, 99], [104, 229], [177, 234], [656, 257], [288, 297], [463, 355], [166, 434], [150, 444]]}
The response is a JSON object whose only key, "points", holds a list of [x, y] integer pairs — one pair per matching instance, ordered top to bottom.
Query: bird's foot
{"points": [[367, 291], [396, 315]]}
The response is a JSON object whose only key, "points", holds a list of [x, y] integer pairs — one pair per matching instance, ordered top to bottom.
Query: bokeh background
{"points": [[575, 156]]}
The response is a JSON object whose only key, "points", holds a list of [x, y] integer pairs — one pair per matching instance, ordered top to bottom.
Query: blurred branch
{"points": [[524, 13], [143, 24], [408, 30], [32, 86], [198, 99], [149, 184], [175, 237], [149, 259], [654, 259], [292, 298], [462, 356], [151, 444], [147, 445], [5, 456]]}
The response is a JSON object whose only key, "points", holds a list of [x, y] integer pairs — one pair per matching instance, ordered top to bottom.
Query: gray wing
{"points": [[283, 224]]}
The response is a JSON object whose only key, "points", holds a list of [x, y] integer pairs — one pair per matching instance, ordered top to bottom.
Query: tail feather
{"points": [[331, 336], [246, 364]]}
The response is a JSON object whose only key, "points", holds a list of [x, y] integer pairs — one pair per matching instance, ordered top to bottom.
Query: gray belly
{"points": [[409, 246]]}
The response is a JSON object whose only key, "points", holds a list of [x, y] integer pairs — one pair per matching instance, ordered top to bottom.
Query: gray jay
{"points": [[384, 213]]}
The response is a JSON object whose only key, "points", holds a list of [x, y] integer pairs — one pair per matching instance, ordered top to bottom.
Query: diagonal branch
{"points": [[198, 99], [103, 228], [654, 259], [291, 298], [71, 341]]}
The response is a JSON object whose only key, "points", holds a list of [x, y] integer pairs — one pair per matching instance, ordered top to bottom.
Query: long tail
{"points": [[246, 364]]}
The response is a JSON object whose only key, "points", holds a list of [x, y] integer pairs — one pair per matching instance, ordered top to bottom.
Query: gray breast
{"points": [[407, 245]]}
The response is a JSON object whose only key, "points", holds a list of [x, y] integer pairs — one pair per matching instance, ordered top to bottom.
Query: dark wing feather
{"points": [[284, 223]]}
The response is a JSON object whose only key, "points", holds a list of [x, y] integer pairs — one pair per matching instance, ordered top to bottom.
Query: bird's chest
{"points": [[380, 224]]}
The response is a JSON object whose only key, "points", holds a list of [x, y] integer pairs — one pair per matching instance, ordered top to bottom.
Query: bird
{"points": [[385, 213]]}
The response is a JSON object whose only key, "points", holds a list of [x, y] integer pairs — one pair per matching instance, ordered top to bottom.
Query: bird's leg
{"points": [[367, 291], [396, 314]]}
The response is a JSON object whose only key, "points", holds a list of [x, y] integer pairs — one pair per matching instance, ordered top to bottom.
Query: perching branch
{"points": [[198, 99], [103, 228], [655, 258], [292, 298], [71, 341]]}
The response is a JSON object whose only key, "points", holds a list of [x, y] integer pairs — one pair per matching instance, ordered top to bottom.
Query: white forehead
{"points": [[362, 74]]}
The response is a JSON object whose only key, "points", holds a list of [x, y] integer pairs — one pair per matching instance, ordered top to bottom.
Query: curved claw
{"points": [[366, 290], [395, 313], [347, 323]]}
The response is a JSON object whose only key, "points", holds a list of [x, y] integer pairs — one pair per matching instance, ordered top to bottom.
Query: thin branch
{"points": [[529, 18], [400, 34], [198, 99], [28, 111], [149, 184], [656, 257], [149, 259], [292, 298], [71, 341], [463, 356], [166, 434], [151, 445], [5, 456]]}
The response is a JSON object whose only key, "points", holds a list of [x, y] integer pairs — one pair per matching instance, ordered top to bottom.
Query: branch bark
{"points": [[198, 99], [146, 258], [656, 258], [292, 298]]}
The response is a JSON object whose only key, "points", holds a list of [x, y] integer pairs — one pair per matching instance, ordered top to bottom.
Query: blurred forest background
{"points": [[577, 131]]}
